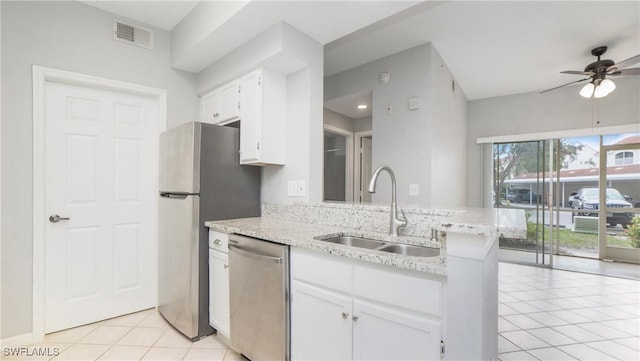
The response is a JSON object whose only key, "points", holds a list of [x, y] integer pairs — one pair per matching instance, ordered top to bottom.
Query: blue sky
{"points": [[594, 141]]}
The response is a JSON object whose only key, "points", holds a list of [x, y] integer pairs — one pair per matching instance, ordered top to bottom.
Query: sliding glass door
{"points": [[521, 181], [560, 185], [619, 193]]}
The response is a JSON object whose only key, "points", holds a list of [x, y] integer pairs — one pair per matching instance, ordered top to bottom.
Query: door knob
{"points": [[56, 218], [345, 315]]}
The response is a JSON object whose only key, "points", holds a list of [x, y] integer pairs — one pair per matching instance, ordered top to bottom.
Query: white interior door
{"points": [[100, 173]]}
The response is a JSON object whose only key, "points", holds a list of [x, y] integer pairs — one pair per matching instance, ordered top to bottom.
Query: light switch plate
{"points": [[292, 188], [414, 189]]}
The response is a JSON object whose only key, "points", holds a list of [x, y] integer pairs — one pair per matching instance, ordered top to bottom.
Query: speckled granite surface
{"points": [[509, 223], [300, 224], [303, 235]]}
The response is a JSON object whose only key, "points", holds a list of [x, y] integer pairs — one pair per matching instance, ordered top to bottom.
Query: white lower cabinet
{"points": [[219, 283], [339, 313], [320, 315], [384, 333]]}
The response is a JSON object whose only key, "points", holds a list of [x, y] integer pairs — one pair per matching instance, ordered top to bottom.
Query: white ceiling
{"points": [[162, 14], [493, 48], [348, 105]]}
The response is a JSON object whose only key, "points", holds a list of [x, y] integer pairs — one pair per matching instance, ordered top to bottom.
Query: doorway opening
{"points": [[348, 146], [338, 161]]}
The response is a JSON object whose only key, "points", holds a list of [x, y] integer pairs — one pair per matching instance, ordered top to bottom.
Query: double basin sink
{"points": [[373, 244]]}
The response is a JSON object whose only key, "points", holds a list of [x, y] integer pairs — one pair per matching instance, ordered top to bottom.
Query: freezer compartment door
{"points": [[180, 159], [178, 262]]}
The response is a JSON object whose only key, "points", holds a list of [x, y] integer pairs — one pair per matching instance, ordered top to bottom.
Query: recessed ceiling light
{"points": [[362, 106]]}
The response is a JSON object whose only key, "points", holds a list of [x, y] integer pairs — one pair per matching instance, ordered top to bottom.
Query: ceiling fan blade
{"points": [[625, 63], [630, 71], [575, 72], [560, 86]]}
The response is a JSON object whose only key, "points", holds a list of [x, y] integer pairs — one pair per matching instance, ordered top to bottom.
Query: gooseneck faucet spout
{"points": [[395, 223]]}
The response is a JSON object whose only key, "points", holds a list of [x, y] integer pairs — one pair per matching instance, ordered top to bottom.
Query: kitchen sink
{"points": [[354, 241], [397, 248], [407, 250]]}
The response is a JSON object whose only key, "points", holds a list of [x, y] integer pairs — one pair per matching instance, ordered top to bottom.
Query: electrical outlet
{"points": [[292, 188], [302, 188], [414, 189]]}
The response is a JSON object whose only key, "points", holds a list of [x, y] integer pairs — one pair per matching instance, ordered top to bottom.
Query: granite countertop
{"points": [[499, 222], [301, 224], [303, 235]]}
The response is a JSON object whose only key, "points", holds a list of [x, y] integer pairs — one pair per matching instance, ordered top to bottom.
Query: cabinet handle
{"points": [[215, 115], [258, 146], [217, 242], [226, 266], [345, 315], [355, 318]]}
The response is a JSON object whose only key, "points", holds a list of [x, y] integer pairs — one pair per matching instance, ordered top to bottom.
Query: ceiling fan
{"points": [[599, 86]]}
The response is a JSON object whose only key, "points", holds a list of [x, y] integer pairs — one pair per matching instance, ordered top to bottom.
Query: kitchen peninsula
{"points": [[391, 305]]}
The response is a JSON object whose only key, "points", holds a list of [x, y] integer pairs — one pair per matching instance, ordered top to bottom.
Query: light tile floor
{"points": [[544, 314], [549, 314], [139, 336]]}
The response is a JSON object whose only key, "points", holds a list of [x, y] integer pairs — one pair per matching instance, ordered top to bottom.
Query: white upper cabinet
{"points": [[258, 100], [221, 105], [262, 117]]}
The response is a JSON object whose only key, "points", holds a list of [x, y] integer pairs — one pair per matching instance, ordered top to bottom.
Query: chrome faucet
{"points": [[394, 223]]}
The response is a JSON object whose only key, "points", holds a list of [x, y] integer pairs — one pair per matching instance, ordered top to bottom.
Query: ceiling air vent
{"points": [[134, 35]]}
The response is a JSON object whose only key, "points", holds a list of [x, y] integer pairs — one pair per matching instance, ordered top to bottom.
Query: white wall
{"points": [[71, 36], [284, 49], [561, 110], [337, 120], [362, 124], [446, 136], [412, 142], [0, 170]]}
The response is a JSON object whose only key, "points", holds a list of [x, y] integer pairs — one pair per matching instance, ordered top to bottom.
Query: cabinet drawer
{"points": [[219, 241], [322, 270], [399, 289]]}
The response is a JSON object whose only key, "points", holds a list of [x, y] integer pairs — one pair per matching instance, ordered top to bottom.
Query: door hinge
{"points": [[441, 348]]}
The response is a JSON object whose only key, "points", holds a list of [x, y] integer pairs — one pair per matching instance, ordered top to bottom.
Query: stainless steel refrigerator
{"points": [[200, 180]]}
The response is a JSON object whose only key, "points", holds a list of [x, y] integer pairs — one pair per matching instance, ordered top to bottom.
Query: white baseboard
{"points": [[15, 341]]}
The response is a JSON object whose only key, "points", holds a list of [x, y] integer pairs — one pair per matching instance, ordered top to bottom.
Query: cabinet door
{"points": [[229, 101], [209, 108], [250, 117], [219, 291], [321, 324], [384, 333]]}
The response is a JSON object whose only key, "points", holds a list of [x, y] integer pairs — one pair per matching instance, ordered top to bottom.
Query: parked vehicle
{"points": [[522, 195], [572, 198], [587, 203]]}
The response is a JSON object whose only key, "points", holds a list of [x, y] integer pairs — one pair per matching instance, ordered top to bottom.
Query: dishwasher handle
{"points": [[255, 256]]}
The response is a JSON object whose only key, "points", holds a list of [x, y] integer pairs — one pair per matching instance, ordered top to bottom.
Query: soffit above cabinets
{"points": [[493, 48]]}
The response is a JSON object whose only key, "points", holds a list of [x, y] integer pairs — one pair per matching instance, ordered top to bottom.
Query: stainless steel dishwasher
{"points": [[259, 298]]}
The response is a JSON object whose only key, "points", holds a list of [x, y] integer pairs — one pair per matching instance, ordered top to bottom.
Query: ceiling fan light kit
{"points": [[599, 86]]}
